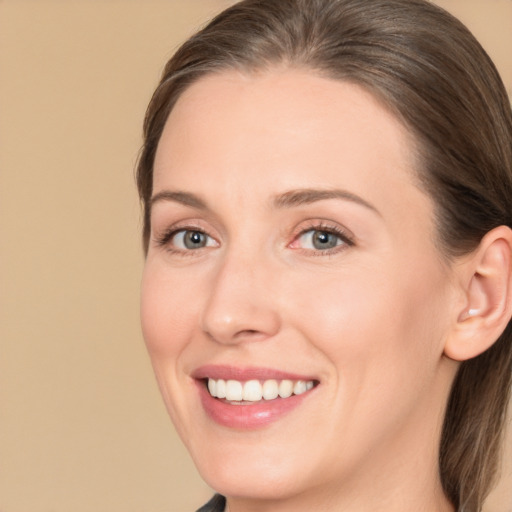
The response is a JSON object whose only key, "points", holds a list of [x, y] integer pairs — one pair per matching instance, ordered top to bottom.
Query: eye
{"points": [[188, 239], [319, 240]]}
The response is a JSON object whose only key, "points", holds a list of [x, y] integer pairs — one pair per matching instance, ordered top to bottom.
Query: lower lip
{"points": [[248, 415]]}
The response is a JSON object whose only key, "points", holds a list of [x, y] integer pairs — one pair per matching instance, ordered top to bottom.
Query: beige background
{"points": [[82, 427]]}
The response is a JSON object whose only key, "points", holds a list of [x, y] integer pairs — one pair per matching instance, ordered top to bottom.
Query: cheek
{"points": [[165, 312], [345, 312], [375, 326], [375, 332]]}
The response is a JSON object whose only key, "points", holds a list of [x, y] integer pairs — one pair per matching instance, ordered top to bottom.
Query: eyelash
{"points": [[324, 227], [346, 238], [164, 239]]}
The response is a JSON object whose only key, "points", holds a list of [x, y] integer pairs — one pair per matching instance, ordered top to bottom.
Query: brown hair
{"points": [[433, 74]]}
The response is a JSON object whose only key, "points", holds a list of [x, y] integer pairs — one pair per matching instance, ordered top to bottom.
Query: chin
{"points": [[253, 472], [257, 482]]}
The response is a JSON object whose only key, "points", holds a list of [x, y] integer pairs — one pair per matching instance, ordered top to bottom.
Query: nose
{"points": [[240, 306]]}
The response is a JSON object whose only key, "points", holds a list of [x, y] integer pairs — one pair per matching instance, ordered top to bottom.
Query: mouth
{"points": [[238, 392], [251, 397]]}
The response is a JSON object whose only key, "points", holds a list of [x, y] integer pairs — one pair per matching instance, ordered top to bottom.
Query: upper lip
{"points": [[245, 373]]}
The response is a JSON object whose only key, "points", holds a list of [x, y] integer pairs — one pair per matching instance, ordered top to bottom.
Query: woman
{"points": [[326, 297]]}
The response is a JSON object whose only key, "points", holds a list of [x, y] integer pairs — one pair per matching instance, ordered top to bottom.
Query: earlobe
{"points": [[487, 307]]}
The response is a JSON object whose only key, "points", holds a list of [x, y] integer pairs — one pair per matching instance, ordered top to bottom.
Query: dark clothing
{"points": [[216, 504]]}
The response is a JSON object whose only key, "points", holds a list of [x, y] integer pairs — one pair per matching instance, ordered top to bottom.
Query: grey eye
{"points": [[189, 240], [319, 240]]}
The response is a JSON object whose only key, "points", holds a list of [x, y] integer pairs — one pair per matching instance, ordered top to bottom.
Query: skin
{"points": [[369, 318]]}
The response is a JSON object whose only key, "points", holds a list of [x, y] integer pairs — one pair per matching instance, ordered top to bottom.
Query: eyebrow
{"points": [[306, 196], [184, 198], [290, 199]]}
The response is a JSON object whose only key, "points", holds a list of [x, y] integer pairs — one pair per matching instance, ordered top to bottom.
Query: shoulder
{"points": [[216, 504]]}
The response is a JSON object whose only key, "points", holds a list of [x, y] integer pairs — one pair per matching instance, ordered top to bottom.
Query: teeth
{"points": [[212, 387], [299, 387], [221, 388], [286, 388], [270, 389], [255, 390], [234, 391], [252, 391]]}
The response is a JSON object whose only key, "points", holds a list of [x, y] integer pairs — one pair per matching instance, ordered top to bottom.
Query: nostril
{"points": [[249, 334]]}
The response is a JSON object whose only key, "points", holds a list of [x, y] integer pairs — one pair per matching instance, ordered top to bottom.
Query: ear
{"points": [[486, 280]]}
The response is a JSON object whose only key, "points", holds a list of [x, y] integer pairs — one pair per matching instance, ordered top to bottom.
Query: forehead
{"points": [[278, 113], [284, 129]]}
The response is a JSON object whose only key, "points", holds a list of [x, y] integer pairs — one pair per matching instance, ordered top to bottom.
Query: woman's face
{"points": [[290, 242]]}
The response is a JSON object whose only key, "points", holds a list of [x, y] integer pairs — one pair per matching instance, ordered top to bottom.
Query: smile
{"points": [[255, 390], [246, 398]]}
